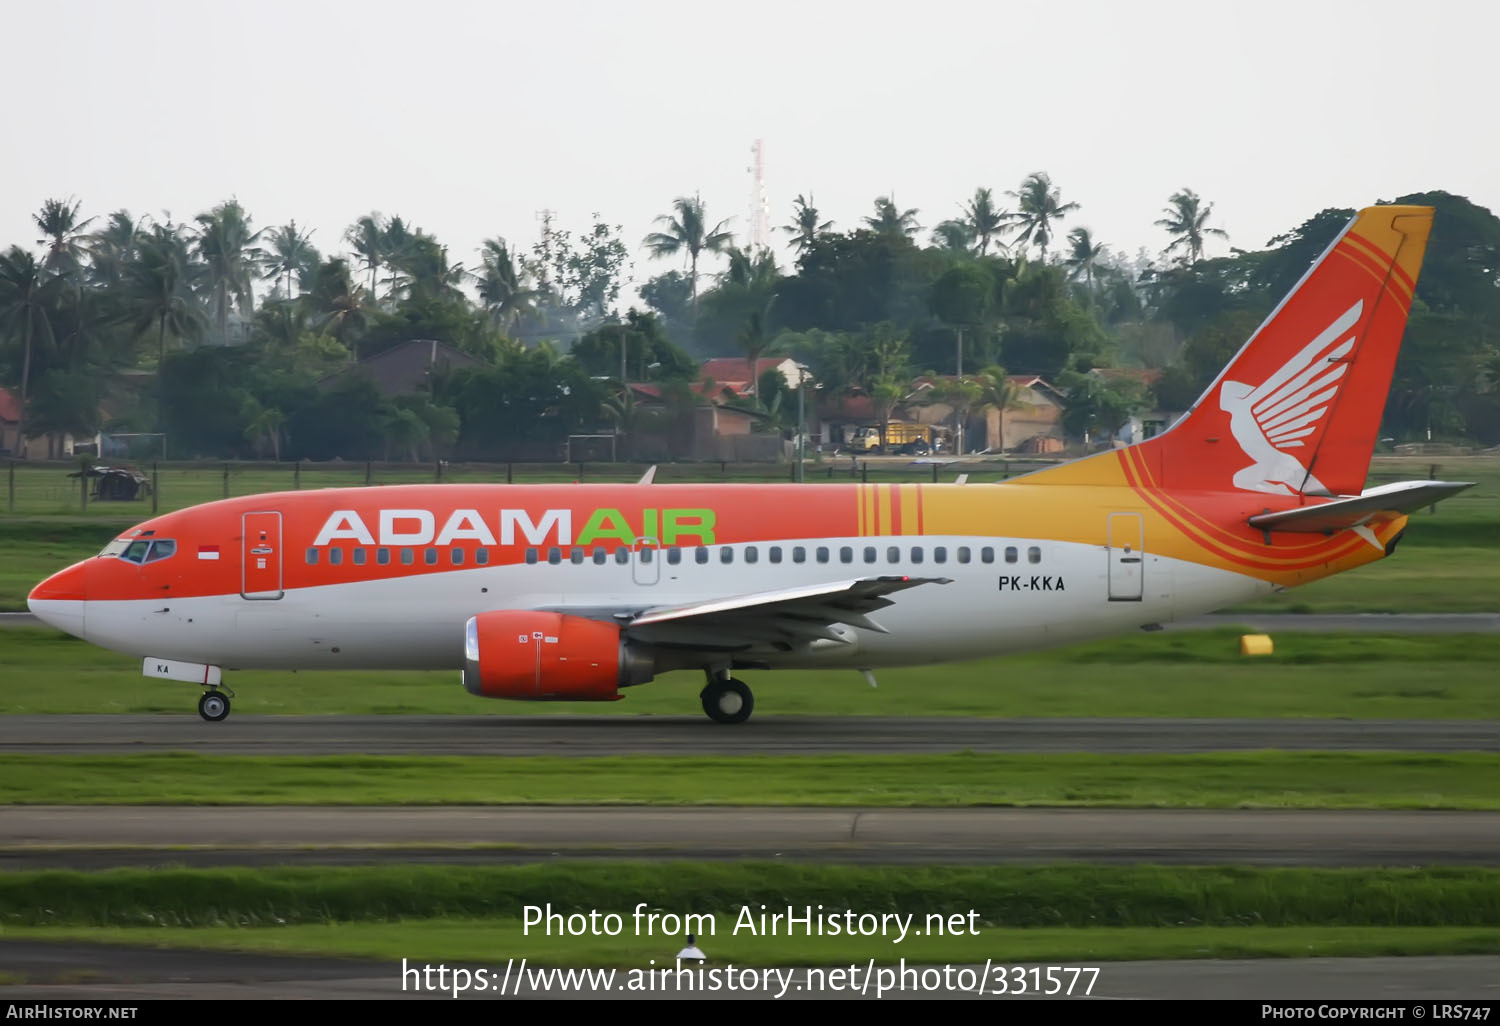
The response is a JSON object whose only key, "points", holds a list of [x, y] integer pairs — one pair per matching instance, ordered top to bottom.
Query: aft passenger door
{"points": [[1127, 539], [260, 556]]}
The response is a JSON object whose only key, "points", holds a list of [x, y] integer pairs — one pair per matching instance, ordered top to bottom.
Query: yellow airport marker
{"points": [[1255, 644]]}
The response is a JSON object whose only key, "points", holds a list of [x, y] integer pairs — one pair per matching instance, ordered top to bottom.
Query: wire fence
{"points": [[53, 488]]}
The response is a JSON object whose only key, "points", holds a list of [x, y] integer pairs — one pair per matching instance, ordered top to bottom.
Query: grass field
{"points": [[1183, 674], [1265, 780], [1009, 896], [491, 943]]}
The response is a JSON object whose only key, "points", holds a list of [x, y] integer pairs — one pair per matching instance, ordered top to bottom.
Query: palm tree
{"points": [[1039, 205], [891, 220], [983, 220], [58, 221], [1186, 222], [804, 227], [688, 231], [953, 235], [367, 236], [226, 245], [113, 248], [290, 253], [1084, 255], [424, 269], [500, 288], [157, 294], [26, 296], [340, 303], [753, 341], [998, 392]]}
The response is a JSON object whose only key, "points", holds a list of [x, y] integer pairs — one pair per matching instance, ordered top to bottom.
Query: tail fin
{"points": [[1298, 408]]}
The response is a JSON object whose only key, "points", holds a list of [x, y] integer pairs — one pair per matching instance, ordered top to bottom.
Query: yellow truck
{"points": [[901, 436]]}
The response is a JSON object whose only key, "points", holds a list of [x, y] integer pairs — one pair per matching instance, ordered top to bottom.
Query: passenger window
{"points": [[136, 551], [963, 553], [1010, 553], [647, 554], [726, 554], [752, 554], [799, 554], [822, 554], [846, 554], [870, 554], [893, 554], [916, 554], [939, 554], [531, 555], [554, 555], [600, 555], [700, 555], [774, 555], [987, 555], [1033, 555], [335, 556], [359, 556], [382, 556], [430, 556], [455, 556], [481, 556], [577, 556], [622, 556], [674, 556], [312, 557], [408, 557]]}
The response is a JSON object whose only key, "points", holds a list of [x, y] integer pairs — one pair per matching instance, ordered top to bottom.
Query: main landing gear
{"points": [[727, 700], [214, 705]]}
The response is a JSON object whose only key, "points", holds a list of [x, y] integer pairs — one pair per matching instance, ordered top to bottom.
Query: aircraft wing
{"points": [[1356, 510], [780, 619]]}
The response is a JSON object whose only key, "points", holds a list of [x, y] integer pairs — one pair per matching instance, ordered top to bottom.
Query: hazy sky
{"points": [[468, 118]]}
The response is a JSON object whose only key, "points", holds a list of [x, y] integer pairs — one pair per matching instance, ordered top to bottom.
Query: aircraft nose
{"points": [[59, 600]]}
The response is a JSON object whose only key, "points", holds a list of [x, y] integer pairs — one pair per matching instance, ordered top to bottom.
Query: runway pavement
{"points": [[696, 735], [259, 834], [113, 972]]}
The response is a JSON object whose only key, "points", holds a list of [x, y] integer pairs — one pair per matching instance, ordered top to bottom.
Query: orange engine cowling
{"points": [[540, 657]]}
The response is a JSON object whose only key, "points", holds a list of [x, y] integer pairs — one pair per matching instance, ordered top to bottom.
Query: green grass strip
{"points": [[1165, 674], [1273, 780], [1009, 896], [491, 942]]}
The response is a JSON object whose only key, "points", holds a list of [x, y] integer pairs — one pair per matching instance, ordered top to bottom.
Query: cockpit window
{"points": [[115, 547], [161, 549], [136, 551]]}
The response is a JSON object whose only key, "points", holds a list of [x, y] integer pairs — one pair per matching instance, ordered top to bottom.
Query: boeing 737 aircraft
{"points": [[576, 592]]}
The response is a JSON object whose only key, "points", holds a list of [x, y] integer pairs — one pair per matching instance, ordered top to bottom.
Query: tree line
{"points": [[230, 338]]}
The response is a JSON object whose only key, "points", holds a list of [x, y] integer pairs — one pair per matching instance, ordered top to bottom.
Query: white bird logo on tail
{"points": [[1270, 419]]}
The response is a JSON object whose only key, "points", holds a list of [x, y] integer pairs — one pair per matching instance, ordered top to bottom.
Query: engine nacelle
{"points": [[540, 657]]}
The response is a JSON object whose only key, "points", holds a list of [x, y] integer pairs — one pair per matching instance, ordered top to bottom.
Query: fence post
{"points": [[580, 470], [437, 471], [864, 472], [367, 473], [510, 473], [934, 473], [297, 476], [226, 480], [83, 482], [155, 488], [11, 501]]}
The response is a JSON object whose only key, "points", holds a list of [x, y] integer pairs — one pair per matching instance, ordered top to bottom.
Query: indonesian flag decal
{"points": [[208, 552]]}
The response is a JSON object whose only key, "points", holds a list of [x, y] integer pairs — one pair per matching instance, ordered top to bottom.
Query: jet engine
{"points": [[539, 656]]}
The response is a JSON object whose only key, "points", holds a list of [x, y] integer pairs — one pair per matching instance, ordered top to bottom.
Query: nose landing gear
{"points": [[727, 700], [214, 705]]}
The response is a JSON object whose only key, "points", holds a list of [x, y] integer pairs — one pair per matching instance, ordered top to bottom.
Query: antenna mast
{"points": [[760, 207]]}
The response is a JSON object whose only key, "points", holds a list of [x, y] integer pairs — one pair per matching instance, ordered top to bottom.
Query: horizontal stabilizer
{"points": [[1342, 514]]}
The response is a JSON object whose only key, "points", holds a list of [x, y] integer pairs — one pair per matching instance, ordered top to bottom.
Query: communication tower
{"points": [[760, 206]]}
